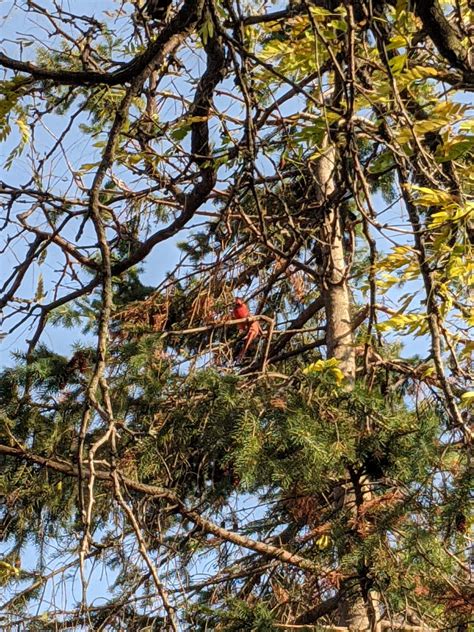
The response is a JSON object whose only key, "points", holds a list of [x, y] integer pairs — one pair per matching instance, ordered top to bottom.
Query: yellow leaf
{"points": [[397, 63], [24, 130], [432, 197], [439, 218], [329, 367], [468, 397], [323, 542], [9, 568]]}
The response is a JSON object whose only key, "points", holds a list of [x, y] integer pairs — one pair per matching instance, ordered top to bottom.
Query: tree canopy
{"points": [[177, 464]]}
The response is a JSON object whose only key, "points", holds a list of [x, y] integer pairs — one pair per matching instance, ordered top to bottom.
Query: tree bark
{"points": [[444, 36], [335, 288], [352, 608]]}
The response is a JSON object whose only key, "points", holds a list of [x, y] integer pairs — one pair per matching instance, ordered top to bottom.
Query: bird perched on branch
{"points": [[241, 311], [252, 329]]}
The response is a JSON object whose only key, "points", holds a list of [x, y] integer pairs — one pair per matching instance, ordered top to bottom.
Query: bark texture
{"points": [[444, 36], [334, 277], [352, 609]]}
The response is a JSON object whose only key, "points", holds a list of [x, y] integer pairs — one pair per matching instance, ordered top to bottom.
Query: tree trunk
{"points": [[334, 275], [352, 610]]}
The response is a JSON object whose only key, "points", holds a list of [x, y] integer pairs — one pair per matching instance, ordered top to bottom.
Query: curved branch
{"points": [[184, 22], [444, 36], [200, 148], [298, 323], [269, 550]]}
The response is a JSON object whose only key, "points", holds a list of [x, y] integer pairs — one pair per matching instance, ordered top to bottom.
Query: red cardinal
{"points": [[241, 311], [253, 329]]}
